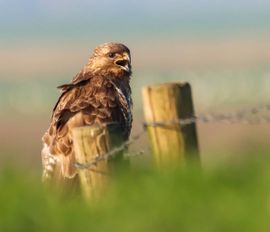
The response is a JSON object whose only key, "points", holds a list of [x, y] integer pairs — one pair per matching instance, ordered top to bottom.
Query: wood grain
{"points": [[170, 102], [89, 142]]}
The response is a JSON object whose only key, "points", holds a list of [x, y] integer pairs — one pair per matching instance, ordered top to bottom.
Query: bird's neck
{"points": [[119, 78]]}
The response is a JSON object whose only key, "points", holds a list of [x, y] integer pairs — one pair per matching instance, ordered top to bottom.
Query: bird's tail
{"points": [[59, 171]]}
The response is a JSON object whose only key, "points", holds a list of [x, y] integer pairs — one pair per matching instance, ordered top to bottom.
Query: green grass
{"points": [[231, 198]]}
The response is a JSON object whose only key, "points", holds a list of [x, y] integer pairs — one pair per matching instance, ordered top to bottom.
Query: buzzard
{"points": [[99, 93]]}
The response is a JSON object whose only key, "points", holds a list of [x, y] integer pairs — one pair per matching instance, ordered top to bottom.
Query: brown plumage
{"points": [[99, 93]]}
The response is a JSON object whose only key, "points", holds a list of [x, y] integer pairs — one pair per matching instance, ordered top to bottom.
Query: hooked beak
{"points": [[124, 62]]}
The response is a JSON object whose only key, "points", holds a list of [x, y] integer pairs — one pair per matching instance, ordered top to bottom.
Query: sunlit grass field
{"points": [[228, 198]]}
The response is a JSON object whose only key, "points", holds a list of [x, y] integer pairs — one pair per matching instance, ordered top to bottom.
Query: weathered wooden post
{"points": [[165, 107], [90, 144]]}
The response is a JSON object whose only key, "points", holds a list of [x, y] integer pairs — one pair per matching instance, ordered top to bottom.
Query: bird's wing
{"points": [[80, 79], [70, 102], [101, 103], [83, 105], [58, 138]]}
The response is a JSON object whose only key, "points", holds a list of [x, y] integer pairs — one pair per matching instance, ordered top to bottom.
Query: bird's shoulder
{"points": [[95, 93]]}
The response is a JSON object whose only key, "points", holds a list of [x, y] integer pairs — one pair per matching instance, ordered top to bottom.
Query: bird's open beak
{"points": [[124, 62]]}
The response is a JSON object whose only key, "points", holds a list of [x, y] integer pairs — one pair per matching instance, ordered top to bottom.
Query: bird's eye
{"points": [[111, 55]]}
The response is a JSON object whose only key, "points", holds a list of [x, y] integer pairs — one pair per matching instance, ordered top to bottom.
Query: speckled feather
{"points": [[99, 93]]}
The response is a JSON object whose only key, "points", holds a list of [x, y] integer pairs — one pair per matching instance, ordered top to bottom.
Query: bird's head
{"points": [[111, 58]]}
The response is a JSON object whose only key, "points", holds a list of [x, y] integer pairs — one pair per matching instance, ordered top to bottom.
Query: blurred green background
{"points": [[221, 47], [226, 199]]}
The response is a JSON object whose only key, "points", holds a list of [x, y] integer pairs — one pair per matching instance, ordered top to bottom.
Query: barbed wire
{"points": [[254, 115], [246, 116], [114, 151]]}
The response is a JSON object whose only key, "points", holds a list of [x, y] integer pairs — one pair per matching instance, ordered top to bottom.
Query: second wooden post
{"points": [[165, 106]]}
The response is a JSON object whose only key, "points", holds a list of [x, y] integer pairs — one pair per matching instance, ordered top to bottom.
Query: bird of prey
{"points": [[99, 93]]}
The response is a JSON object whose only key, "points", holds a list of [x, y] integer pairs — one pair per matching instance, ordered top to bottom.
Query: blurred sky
{"points": [[115, 19], [43, 38], [189, 39]]}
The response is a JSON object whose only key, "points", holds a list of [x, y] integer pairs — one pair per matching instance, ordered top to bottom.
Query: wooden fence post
{"points": [[168, 103], [90, 142]]}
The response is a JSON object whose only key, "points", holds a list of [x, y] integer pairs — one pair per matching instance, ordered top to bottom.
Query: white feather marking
{"points": [[127, 99], [52, 160], [48, 162], [49, 168]]}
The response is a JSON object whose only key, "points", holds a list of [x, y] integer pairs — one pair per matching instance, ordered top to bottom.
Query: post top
{"points": [[181, 84]]}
